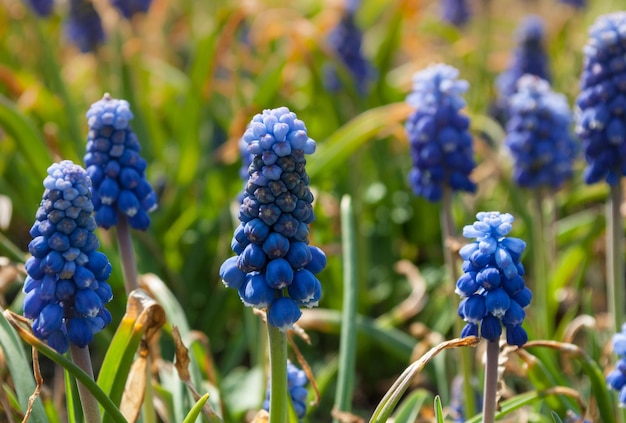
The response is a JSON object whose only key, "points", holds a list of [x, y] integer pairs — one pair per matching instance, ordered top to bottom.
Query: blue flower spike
{"points": [[43, 8], [130, 8], [455, 12], [84, 26], [346, 40], [529, 57], [600, 118], [538, 135], [440, 142], [115, 166], [275, 267], [66, 287], [492, 289], [617, 378], [296, 384]]}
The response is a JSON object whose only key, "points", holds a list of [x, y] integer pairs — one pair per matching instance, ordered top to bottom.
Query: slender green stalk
{"points": [[448, 231], [127, 255], [615, 259], [543, 320], [347, 342], [81, 357], [278, 375], [491, 382]]}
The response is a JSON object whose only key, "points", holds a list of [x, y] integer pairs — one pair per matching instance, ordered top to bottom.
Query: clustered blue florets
{"points": [[42, 8], [128, 8], [455, 12], [84, 26], [346, 40], [528, 58], [601, 118], [538, 135], [441, 145], [115, 166], [275, 267], [66, 286], [492, 289], [617, 378], [296, 381]]}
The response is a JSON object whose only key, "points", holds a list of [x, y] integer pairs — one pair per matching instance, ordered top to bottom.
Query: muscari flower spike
{"points": [[577, 4], [42, 8], [129, 8], [455, 12], [84, 26], [346, 40], [529, 57], [601, 114], [538, 135], [441, 145], [115, 166], [275, 267], [66, 287], [492, 289], [617, 378], [296, 381]]}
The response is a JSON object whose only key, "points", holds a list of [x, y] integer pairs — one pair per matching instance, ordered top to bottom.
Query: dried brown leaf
{"points": [[181, 361], [134, 390]]}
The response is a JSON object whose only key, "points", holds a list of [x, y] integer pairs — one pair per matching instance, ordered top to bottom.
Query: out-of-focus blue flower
{"points": [[578, 4], [42, 8], [128, 8], [455, 12], [84, 26], [345, 40], [529, 57], [601, 117], [538, 135], [441, 145], [115, 166], [275, 267], [66, 287], [492, 289], [617, 378], [296, 382]]}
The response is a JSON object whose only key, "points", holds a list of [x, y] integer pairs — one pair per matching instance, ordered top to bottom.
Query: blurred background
{"points": [[195, 72]]}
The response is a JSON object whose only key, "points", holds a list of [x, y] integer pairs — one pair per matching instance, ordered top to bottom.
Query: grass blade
{"points": [[347, 342], [18, 366]]}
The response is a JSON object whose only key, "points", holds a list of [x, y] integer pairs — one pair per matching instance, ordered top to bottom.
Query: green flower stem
{"points": [[448, 231], [127, 255], [615, 259], [544, 318], [347, 342], [81, 357], [278, 374], [491, 382]]}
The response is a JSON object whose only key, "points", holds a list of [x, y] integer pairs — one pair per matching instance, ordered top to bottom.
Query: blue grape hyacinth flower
{"points": [[42, 8], [129, 8], [455, 12], [84, 26], [346, 41], [529, 57], [601, 114], [538, 135], [441, 145], [116, 167], [275, 266], [66, 287], [492, 289], [617, 378], [296, 382]]}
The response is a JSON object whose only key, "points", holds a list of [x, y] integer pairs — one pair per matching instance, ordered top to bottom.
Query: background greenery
{"points": [[195, 73]]}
